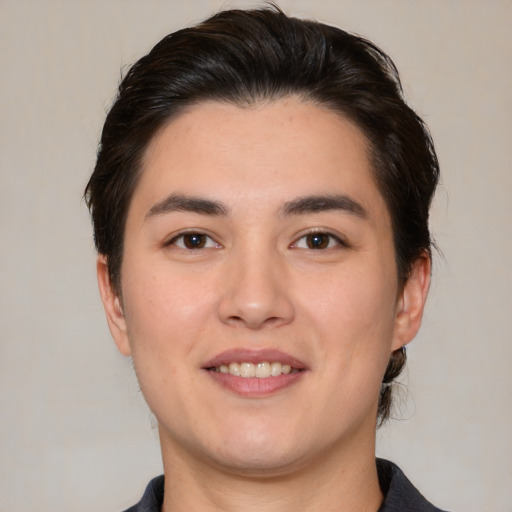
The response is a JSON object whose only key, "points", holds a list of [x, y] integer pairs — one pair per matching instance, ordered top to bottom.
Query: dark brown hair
{"points": [[245, 57]]}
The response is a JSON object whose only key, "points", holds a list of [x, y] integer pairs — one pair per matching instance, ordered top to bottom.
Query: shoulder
{"points": [[399, 492], [153, 497]]}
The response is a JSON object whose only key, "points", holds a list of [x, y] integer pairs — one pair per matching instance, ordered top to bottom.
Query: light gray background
{"points": [[75, 434]]}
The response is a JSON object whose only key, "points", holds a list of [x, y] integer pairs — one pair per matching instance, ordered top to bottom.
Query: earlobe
{"points": [[411, 302], [112, 306]]}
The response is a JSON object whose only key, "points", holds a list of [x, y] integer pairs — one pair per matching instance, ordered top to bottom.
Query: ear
{"points": [[411, 302], [112, 305]]}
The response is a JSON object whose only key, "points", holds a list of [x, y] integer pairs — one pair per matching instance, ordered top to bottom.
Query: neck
{"points": [[342, 480]]}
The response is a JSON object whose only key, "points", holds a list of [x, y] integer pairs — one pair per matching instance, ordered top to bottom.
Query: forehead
{"points": [[264, 153]]}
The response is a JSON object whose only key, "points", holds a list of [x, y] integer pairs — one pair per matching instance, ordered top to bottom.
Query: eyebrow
{"points": [[183, 203], [322, 203], [298, 206]]}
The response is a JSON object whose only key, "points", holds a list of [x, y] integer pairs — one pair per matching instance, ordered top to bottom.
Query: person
{"points": [[260, 206]]}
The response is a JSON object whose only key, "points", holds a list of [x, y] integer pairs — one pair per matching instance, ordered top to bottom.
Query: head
{"points": [[251, 58]]}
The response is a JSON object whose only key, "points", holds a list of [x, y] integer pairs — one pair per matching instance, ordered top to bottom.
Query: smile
{"points": [[262, 370], [255, 373]]}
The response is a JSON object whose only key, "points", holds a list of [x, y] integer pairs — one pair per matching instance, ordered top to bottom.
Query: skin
{"points": [[257, 284]]}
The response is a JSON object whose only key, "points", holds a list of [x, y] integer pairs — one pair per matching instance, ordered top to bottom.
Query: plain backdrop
{"points": [[75, 433]]}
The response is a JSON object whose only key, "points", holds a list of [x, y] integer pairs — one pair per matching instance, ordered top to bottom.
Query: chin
{"points": [[251, 451], [267, 463]]}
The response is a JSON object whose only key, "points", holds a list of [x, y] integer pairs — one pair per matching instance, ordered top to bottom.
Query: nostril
{"points": [[255, 303], [254, 322]]}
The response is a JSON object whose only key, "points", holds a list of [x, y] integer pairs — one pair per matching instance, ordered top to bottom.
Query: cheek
{"points": [[165, 312], [354, 312], [165, 318]]}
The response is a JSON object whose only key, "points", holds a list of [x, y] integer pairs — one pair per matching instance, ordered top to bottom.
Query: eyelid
{"points": [[181, 234], [340, 240]]}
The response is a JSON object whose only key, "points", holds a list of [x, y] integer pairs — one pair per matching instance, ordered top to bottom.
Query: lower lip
{"points": [[254, 387]]}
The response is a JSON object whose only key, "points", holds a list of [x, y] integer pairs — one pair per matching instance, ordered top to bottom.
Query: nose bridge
{"points": [[256, 292]]}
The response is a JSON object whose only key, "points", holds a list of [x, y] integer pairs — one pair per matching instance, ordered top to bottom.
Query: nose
{"points": [[256, 291]]}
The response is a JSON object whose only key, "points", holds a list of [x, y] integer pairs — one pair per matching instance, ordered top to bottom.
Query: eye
{"points": [[318, 240], [194, 241]]}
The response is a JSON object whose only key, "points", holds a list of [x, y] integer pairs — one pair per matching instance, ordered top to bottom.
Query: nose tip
{"points": [[256, 296], [254, 317]]}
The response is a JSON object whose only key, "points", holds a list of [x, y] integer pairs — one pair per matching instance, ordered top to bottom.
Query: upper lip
{"points": [[241, 355]]}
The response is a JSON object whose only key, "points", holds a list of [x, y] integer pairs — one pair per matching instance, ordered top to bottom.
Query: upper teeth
{"points": [[261, 370]]}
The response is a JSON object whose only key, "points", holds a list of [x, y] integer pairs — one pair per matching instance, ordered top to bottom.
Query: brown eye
{"points": [[193, 241], [318, 241]]}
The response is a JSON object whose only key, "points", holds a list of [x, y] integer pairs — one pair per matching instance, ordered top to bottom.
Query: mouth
{"points": [[261, 370], [251, 373]]}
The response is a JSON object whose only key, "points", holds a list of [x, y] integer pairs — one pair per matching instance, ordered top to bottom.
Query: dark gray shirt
{"points": [[399, 494]]}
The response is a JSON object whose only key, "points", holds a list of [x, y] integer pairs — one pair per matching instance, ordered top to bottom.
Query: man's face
{"points": [[258, 235]]}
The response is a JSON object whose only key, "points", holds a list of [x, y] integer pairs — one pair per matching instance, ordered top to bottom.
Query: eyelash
{"points": [[319, 233], [183, 236], [204, 241]]}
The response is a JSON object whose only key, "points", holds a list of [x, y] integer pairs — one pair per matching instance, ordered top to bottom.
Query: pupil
{"points": [[194, 241], [318, 241]]}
